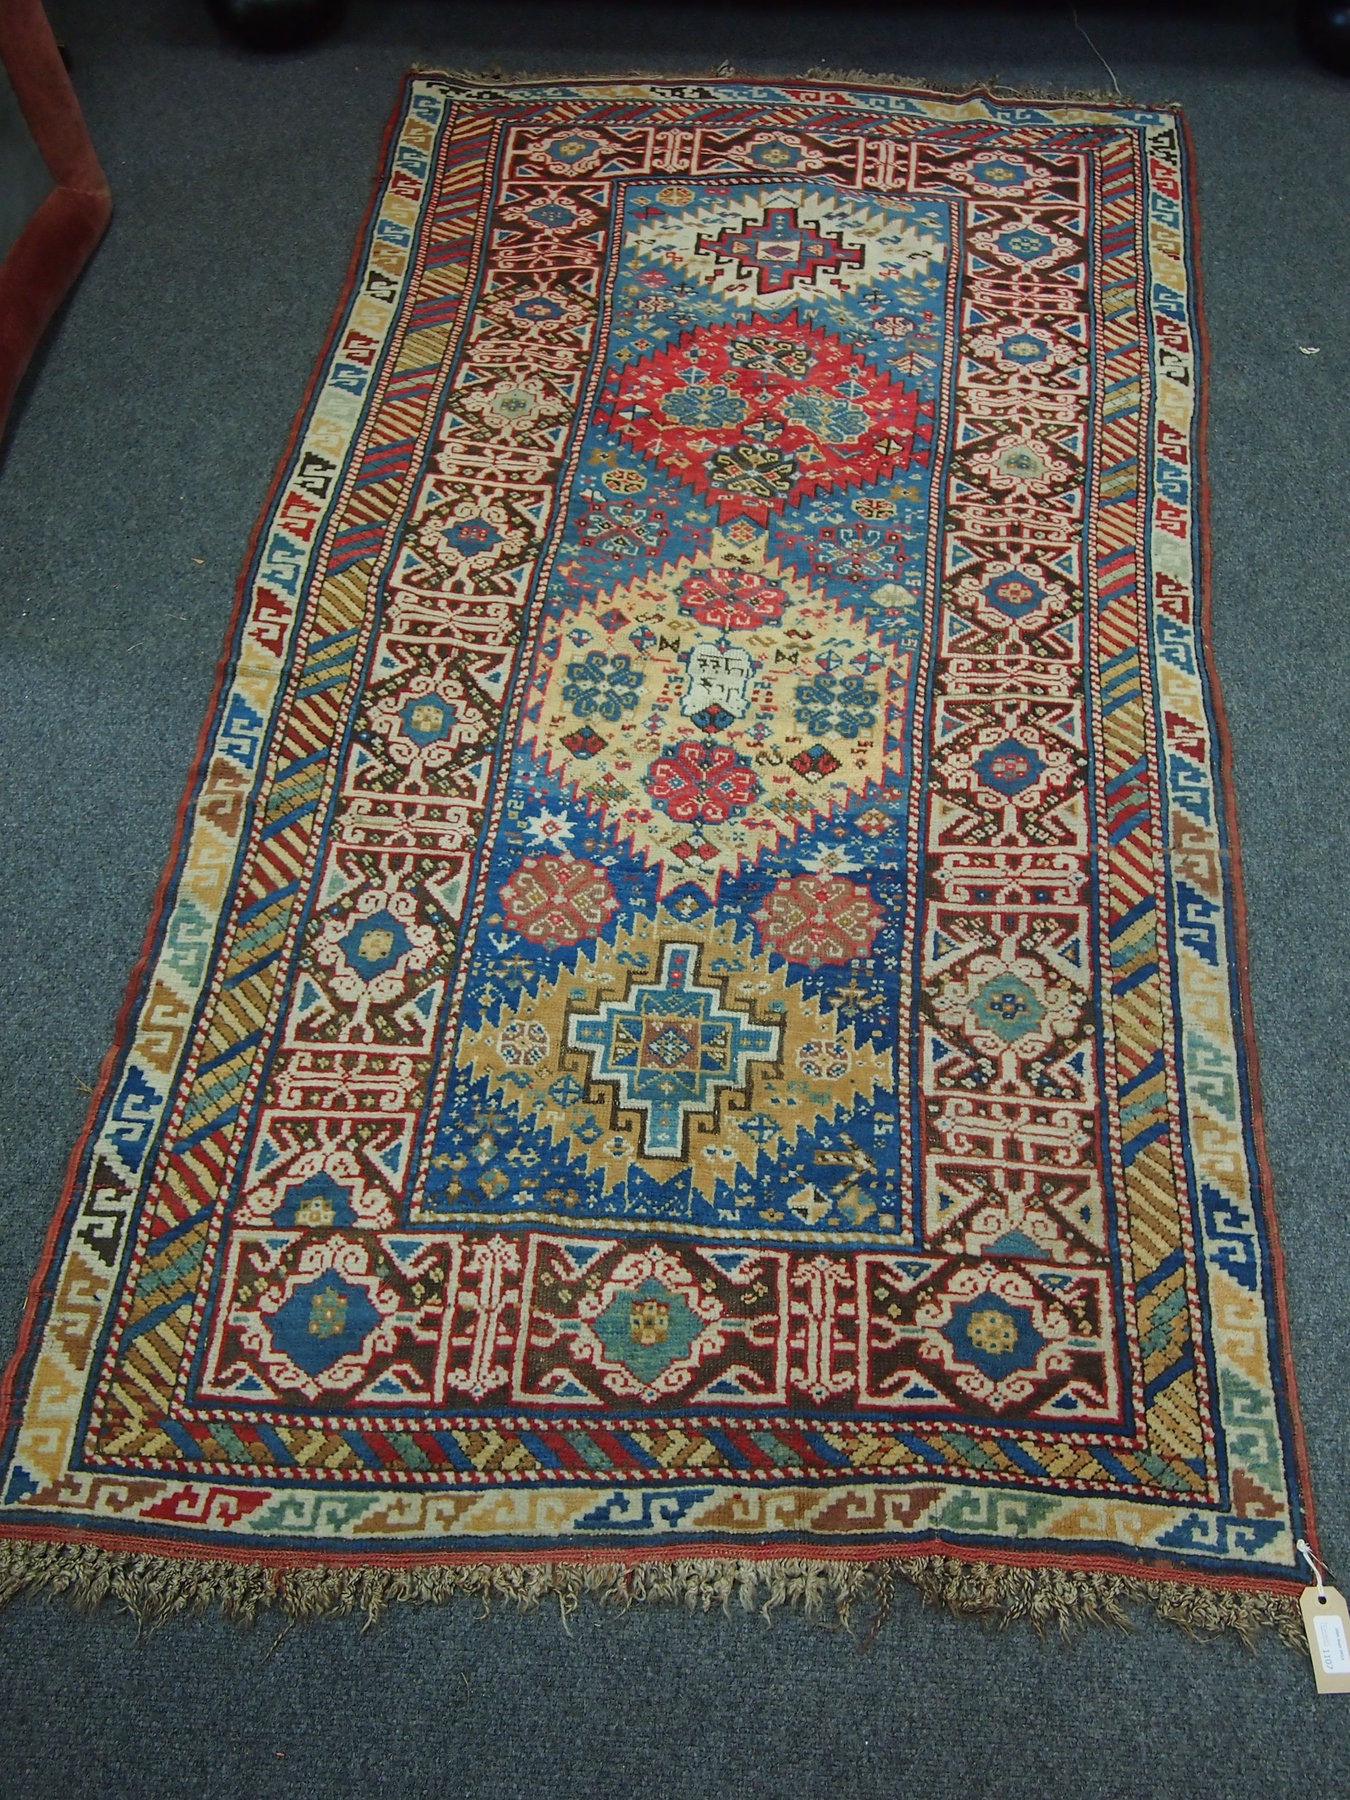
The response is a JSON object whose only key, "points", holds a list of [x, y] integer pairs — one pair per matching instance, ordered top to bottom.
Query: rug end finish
{"points": [[834, 1593]]}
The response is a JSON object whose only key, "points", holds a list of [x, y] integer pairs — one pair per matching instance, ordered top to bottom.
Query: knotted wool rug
{"points": [[694, 1039]]}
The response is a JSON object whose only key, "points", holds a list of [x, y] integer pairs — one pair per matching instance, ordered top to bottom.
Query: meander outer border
{"points": [[1236, 891]]}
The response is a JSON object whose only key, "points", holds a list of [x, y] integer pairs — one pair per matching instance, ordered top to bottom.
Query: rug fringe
{"points": [[496, 78], [830, 1592], [1062, 1599]]}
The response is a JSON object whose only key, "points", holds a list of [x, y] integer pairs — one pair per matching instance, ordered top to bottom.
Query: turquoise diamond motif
{"points": [[1008, 1007], [670, 1048], [647, 1330]]}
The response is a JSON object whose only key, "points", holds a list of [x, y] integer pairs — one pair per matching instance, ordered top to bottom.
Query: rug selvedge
{"points": [[698, 1007]]}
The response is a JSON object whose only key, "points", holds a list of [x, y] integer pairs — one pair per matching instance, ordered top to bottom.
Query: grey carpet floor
{"points": [[129, 486]]}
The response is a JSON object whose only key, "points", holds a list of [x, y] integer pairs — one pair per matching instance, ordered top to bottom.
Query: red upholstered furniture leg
{"points": [[53, 246]]}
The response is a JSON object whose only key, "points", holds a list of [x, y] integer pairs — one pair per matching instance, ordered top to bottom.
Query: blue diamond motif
{"points": [[571, 150], [776, 155], [997, 173], [552, 216], [1026, 242], [1025, 349], [470, 537], [1014, 594], [427, 718], [1009, 767], [375, 944], [316, 1203], [323, 1321], [993, 1335]]}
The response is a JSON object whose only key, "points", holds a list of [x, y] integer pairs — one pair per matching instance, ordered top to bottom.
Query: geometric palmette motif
{"points": [[763, 248], [757, 415], [716, 708], [698, 1003], [667, 1049], [678, 1056], [334, 1316], [607, 1322], [997, 1334]]}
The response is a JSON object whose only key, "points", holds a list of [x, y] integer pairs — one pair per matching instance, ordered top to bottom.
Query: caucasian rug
{"points": [[694, 1039]]}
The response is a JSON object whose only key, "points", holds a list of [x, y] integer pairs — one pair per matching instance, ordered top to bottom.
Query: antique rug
{"points": [[694, 1039]]}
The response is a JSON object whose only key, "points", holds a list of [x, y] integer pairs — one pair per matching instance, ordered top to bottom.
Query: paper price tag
{"points": [[1327, 1623]]}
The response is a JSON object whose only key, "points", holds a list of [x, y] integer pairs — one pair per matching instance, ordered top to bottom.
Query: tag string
{"points": [[1316, 1567]]}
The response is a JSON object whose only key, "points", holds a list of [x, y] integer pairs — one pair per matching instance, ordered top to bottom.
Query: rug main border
{"points": [[1130, 1569]]}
